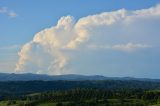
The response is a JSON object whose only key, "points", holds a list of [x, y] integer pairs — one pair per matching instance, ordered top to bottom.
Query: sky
{"points": [[114, 38]]}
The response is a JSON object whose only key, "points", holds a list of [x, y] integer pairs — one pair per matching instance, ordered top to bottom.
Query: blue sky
{"points": [[135, 52]]}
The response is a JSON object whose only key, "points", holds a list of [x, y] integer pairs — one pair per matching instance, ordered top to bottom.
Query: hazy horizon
{"points": [[110, 38], [85, 75]]}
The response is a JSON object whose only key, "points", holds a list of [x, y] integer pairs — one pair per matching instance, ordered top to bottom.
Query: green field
{"points": [[88, 97], [110, 102]]}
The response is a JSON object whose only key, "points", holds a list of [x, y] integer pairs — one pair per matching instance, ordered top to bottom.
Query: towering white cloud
{"points": [[47, 52]]}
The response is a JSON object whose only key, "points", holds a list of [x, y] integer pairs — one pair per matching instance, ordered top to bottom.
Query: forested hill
{"points": [[68, 77], [19, 84], [26, 87], [34, 93]]}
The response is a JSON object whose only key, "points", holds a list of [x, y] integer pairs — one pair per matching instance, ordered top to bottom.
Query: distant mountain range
{"points": [[68, 77]]}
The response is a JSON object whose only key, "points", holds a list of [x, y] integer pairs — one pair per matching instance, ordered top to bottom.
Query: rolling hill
{"points": [[68, 77]]}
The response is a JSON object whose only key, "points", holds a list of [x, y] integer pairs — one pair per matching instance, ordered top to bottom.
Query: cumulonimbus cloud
{"points": [[46, 53]]}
